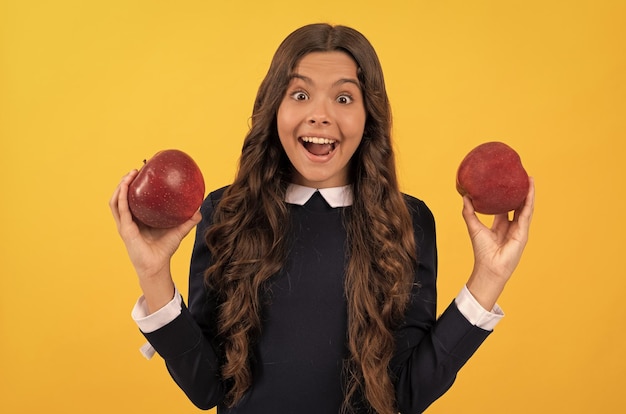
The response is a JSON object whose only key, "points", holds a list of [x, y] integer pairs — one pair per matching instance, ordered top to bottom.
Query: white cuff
{"points": [[475, 313], [151, 322]]}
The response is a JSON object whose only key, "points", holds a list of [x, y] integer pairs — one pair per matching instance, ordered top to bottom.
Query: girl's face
{"points": [[321, 119]]}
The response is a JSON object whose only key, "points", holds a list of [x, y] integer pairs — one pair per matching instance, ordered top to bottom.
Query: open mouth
{"points": [[318, 146]]}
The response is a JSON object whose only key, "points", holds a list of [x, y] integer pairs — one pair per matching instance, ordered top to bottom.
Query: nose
{"points": [[320, 114]]}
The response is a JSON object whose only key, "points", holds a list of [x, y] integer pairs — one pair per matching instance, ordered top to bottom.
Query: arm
{"points": [[188, 344], [429, 351], [188, 354]]}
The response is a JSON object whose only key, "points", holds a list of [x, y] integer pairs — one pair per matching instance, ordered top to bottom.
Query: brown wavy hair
{"points": [[248, 240]]}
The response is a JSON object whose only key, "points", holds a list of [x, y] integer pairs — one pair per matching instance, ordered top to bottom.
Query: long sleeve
{"points": [[187, 343], [429, 351]]}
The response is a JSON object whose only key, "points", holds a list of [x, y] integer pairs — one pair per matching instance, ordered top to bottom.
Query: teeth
{"points": [[317, 140]]}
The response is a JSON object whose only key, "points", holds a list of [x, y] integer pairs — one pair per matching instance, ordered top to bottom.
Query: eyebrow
{"points": [[338, 82]]}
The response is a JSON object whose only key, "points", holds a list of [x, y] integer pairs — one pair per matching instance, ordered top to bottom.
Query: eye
{"points": [[299, 96], [344, 99]]}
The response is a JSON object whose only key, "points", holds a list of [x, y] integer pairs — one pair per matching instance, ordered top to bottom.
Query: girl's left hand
{"points": [[497, 250]]}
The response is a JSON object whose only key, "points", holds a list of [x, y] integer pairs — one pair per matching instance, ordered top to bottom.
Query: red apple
{"points": [[493, 177], [167, 191]]}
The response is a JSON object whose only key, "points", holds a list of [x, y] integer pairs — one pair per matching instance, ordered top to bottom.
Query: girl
{"points": [[313, 279]]}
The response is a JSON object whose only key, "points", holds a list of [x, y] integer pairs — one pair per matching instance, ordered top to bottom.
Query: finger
{"points": [[122, 199], [114, 200], [113, 203], [119, 206], [525, 213], [522, 217], [196, 218], [471, 219], [500, 223], [187, 226]]}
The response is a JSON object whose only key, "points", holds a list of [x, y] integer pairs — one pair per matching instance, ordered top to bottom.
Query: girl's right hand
{"points": [[150, 250]]}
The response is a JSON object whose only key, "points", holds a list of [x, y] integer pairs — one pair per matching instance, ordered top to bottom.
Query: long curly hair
{"points": [[248, 240]]}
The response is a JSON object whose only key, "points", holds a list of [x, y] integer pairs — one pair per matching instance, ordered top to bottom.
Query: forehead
{"points": [[338, 63]]}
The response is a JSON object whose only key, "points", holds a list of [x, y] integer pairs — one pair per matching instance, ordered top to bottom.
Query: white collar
{"points": [[334, 196]]}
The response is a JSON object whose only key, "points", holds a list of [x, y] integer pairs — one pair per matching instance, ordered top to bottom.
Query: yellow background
{"points": [[91, 88]]}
